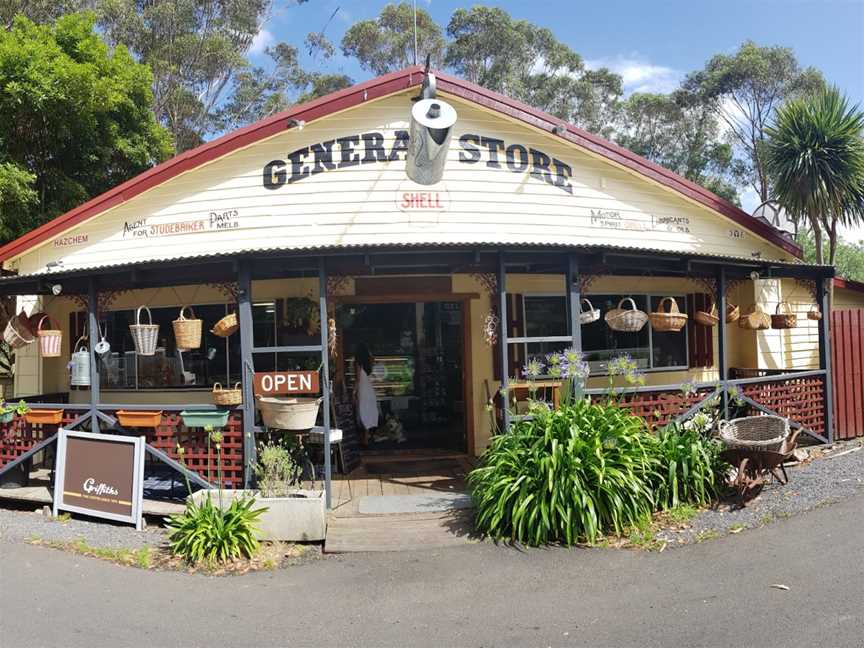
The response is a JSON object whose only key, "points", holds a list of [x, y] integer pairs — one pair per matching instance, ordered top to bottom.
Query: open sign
{"points": [[272, 383]]}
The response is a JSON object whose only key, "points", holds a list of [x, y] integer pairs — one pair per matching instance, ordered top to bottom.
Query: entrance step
{"points": [[401, 532]]}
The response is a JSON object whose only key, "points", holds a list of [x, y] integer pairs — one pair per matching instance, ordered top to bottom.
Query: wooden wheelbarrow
{"points": [[755, 466]]}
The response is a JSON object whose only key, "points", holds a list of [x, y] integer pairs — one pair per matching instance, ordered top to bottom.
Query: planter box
{"points": [[44, 416], [8, 417], [191, 418], [139, 419], [293, 519]]}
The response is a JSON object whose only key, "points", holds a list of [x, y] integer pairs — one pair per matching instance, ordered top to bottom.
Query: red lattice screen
{"points": [[800, 399], [656, 408], [18, 437]]}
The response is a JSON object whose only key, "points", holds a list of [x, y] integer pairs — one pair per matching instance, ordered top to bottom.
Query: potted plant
{"points": [[7, 412], [292, 513]]}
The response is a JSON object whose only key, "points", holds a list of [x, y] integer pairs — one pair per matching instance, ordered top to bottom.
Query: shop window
{"points": [[293, 321], [652, 350], [217, 359]]}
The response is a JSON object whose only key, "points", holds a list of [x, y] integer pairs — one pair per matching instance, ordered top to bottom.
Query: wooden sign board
{"points": [[275, 383], [100, 475]]}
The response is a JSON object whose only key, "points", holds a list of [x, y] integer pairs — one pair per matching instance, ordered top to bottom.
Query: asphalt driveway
{"points": [[717, 593]]}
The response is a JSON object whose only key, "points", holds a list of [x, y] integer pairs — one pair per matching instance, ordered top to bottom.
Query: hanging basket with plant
{"points": [[626, 320], [666, 321]]}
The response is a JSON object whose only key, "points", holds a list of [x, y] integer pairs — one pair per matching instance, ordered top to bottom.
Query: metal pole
{"points": [[574, 296], [822, 296], [244, 308], [93, 328], [502, 339], [721, 339], [325, 375]]}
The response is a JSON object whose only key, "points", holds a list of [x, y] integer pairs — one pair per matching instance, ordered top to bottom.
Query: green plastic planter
{"points": [[7, 417], [217, 419]]}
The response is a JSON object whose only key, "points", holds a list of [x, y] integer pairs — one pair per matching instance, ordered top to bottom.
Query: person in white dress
{"points": [[364, 393]]}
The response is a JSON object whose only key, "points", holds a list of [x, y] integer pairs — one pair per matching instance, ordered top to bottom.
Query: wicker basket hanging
{"points": [[732, 313], [814, 313], [590, 315], [707, 318], [754, 319], [626, 320], [787, 320], [665, 321], [226, 326], [187, 332], [17, 334], [144, 336], [50, 339], [222, 396]]}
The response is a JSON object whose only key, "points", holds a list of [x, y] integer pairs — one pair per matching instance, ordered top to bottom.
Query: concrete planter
{"points": [[302, 517]]}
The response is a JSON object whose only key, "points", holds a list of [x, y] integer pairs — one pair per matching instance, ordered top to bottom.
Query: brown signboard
{"points": [[274, 383], [100, 475]]}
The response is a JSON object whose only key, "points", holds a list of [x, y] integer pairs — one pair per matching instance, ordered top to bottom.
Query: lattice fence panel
{"points": [[799, 399], [18, 437]]}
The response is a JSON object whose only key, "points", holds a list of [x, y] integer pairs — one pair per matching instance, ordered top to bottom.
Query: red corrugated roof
{"points": [[356, 95], [848, 284]]}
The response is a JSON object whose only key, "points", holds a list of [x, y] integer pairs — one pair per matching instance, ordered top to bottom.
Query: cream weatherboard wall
{"points": [[355, 199], [848, 299]]}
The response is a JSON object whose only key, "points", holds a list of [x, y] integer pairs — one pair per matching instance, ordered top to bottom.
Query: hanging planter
{"points": [[733, 312], [814, 313], [590, 315], [708, 318], [754, 319], [626, 320], [787, 320], [665, 321], [226, 326], [187, 332], [17, 334], [144, 336], [50, 339], [80, 365], [227, 397], [289, 413], [44, 416], [130, 418], [201, 419]]}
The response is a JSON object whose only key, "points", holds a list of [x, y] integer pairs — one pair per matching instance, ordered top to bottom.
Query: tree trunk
{"points": [[817, 238]]}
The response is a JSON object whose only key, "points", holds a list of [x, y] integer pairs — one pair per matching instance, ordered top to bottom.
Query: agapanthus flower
{"points": [[533, 368]]}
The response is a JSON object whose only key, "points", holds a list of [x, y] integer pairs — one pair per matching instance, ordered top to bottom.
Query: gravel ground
{"points": [[817, 483], [24, 526]]}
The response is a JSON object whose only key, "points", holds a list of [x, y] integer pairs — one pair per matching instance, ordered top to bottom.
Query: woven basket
{"points": [[732, 313], [814, 314], [590, 315], [707, 318], [754, 319], [626, 320], [672, 320], [787, 320], [226, 326], [187, 332], [17, 334], [144, 336], [49, 339], [222, 396], [755, 432]]}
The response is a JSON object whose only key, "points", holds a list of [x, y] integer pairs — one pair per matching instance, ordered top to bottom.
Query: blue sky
{"points": [[651, 43]]}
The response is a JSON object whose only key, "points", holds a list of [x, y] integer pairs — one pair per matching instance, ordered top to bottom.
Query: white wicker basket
{"points": [[590, 315], [626, 320], [144, 336]]}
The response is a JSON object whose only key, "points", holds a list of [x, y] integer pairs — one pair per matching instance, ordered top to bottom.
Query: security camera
{"points": [[56, 289]]}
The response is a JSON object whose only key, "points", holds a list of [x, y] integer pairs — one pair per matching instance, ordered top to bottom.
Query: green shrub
{"points": [[689, 467], [566, 475], [205, 533]]}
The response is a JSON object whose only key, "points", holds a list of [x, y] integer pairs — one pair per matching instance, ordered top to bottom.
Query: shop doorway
{"points": [[418, 373]]}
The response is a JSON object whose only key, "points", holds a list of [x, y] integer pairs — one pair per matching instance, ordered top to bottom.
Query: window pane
{"points": [[545, 316], [286, 322], [601, 344], [669, 349], [217, 360]]}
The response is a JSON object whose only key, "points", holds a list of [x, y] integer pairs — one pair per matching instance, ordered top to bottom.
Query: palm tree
{"points": [[815, 156]]}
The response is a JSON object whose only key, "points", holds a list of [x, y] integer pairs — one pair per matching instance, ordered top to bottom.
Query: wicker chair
{"points": [[755, 432]]}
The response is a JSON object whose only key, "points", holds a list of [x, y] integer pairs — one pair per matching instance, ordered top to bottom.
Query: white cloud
{"points": [[263, 39], [639, 75]]}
